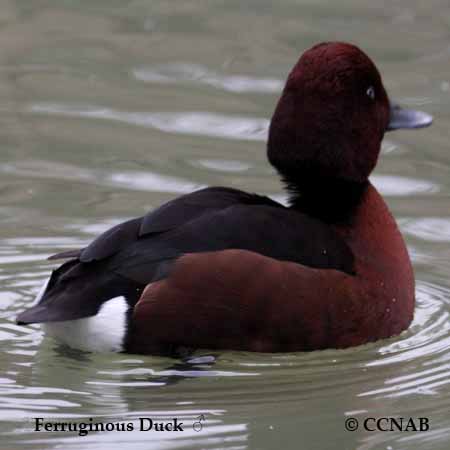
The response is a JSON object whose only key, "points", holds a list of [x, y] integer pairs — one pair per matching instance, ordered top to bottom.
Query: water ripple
{"points": [[194, 73], [198, 123], [223, 165], [133, 180], [148, 181], [403, 186], [431, 229]]}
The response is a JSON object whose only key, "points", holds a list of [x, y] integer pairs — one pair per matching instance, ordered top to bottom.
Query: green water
{"points": [[108, 109]]}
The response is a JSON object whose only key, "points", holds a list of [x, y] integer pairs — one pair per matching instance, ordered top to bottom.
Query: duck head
{"points": [[331, 118]]}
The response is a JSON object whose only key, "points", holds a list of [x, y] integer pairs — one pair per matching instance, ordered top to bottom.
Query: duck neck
{"points": [[330, 200]]}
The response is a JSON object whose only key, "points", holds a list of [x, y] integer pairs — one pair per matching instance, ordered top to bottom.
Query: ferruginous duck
{"points": [[224, 269]]}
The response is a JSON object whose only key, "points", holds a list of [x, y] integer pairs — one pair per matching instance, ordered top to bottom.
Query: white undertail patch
{"points": [[104, 332]]}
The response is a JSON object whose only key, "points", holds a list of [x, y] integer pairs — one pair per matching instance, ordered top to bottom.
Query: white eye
{"points": [[371, 92]]}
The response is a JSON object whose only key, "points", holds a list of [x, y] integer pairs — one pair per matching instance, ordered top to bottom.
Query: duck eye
{"points": [[371, 92]]}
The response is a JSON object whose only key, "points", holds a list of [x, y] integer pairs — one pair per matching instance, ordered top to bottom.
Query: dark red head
{"points": [[332, 116]]}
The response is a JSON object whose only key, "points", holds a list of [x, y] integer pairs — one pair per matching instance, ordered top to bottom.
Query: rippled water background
{"points": [[108, 109]]}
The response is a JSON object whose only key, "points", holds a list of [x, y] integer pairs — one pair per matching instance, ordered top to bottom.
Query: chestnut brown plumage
{"points": [[220, 268]]}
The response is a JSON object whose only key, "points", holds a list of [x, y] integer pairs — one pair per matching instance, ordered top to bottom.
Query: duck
{"points": [[220, 268]]}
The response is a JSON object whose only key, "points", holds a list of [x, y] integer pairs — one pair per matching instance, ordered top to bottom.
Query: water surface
{"points": [[108, 109]]}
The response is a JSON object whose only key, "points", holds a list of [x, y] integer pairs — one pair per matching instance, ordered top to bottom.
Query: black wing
{"points": [[124, 259]]}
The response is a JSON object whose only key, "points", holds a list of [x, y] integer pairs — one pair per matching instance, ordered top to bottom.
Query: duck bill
{"points": [[407, 118]]}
